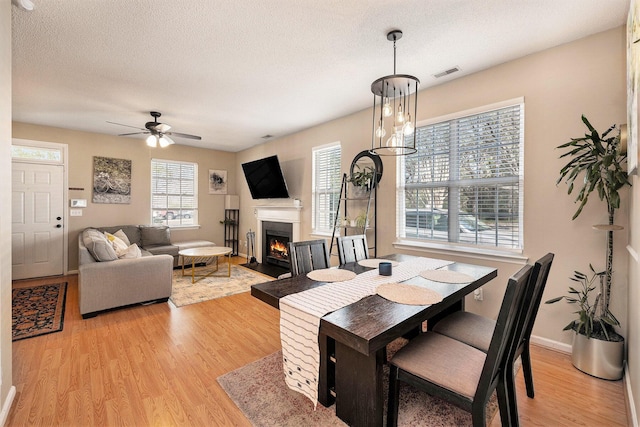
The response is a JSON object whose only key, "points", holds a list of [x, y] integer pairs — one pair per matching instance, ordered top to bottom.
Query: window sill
{"points": [[323, 234], [500, 255]]}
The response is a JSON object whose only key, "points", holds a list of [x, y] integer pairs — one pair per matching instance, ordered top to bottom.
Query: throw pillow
{"points": [[155, 235], [122, 236], [98, 245], [118, 245], [133, 251]]}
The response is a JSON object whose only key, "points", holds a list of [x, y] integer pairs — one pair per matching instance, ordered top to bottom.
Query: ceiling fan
{"points": [[158, 132]]}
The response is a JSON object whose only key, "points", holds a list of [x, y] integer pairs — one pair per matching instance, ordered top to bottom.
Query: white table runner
{"points": [[300, 319]]}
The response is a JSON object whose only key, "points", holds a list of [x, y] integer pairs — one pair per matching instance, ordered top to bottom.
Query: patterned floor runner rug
{"points": [[38, 310]]}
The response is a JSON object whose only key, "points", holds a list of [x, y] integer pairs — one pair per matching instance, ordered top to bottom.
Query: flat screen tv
{"points": [[265, 179]]}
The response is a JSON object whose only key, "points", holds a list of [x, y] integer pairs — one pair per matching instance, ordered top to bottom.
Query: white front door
{"points": [[37, 220]]}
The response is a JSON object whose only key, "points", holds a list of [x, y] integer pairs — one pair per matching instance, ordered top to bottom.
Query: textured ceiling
{"points": [[233, 71]]}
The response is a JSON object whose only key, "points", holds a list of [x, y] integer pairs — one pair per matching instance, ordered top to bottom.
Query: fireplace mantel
{"points": [[286, 214]]}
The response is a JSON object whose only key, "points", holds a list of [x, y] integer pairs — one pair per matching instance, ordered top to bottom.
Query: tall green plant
{"points": [[598, 160]]}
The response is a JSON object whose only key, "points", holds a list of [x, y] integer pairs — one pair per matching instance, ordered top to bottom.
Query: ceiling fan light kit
{"points": [[395, 107], [158, 132]]}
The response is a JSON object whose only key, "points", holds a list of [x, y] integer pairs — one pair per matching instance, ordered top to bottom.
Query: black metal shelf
{"points": [[231, 221]]}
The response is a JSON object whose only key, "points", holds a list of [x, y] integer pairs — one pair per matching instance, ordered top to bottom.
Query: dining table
{"points": [[352, 339]]}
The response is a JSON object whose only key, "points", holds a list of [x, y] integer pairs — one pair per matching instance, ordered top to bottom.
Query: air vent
{"points": [[447, 72]]}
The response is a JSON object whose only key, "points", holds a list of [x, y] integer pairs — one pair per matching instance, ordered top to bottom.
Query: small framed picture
{"points": [[217, 181]]}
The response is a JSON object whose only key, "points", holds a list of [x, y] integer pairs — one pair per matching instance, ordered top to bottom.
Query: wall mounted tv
{"points": [[265, 179]]}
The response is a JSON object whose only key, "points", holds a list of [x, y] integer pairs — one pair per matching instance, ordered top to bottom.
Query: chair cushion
{"points": [[155, 235], [98, 245], [470, 328], [442, 361]]}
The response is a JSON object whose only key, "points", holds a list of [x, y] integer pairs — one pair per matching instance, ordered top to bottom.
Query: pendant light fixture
{"points": [[395, 104]]}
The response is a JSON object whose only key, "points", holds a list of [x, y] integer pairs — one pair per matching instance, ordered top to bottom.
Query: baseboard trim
{"points": [[551, 344], [6, 406], [632, 415]]}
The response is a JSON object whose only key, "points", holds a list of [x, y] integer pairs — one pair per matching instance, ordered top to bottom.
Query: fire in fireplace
{"points": [[276, 240], [278, 248]]}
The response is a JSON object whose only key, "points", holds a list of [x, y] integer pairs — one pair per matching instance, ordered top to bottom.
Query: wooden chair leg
{"points": [[526, 370], [394, 395], [512, 400]]}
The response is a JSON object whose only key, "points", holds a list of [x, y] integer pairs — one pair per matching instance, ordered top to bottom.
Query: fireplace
{"points": [[276, 238]]}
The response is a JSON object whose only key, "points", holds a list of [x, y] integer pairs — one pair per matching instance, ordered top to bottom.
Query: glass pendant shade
{"points": [[401, 92], [387, 111], [380, 132], [152, 141], [165, 141]]}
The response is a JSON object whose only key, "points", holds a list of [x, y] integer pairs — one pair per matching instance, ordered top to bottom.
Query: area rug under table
{"points": [[215, 286], [37, 310], [259, 391]]}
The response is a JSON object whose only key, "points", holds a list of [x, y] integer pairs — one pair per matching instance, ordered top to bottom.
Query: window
{"points": [[327, 181], [465, 184], [174, 193]]}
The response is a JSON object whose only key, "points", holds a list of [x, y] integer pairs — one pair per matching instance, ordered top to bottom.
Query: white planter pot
{"points": [[602, 359]]}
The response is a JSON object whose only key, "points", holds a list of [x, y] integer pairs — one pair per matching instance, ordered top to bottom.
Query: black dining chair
{"points": [[352, 248], [308, 255], [476, 330], [457, 372]]}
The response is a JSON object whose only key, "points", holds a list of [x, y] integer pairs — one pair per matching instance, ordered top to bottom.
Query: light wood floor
{"points": [[157, 366]]}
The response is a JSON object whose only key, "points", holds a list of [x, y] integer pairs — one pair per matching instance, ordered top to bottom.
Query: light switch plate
{"points": [[75, 212]]}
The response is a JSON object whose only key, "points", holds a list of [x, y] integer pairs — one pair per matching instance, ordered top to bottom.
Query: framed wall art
{"points": [[111, 180], [217, 181]]}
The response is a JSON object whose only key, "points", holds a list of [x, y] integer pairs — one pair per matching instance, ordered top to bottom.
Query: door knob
{"points": [[59, 218], [58, 226]]}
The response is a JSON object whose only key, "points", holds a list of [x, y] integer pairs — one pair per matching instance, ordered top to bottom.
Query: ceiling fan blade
{"points": [[129, 126], [134, 133], [183, 135]]}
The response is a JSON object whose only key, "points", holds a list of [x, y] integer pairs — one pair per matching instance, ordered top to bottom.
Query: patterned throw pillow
{"points": [[122, 236], [98, 245], [118, 245]]}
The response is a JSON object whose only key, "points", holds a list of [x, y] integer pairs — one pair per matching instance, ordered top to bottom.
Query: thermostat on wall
{"points": [[78, 203]]}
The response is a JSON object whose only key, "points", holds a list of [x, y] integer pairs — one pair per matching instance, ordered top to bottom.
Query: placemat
{"points": [[373, 262], [331, 275], [446, 276], [408, 294]]}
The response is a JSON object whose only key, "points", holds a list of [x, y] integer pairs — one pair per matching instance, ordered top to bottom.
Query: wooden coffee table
{"points": [[205, 252]]}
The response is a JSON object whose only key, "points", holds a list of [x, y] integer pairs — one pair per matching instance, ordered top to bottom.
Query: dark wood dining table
{"points": [[353, 339]]}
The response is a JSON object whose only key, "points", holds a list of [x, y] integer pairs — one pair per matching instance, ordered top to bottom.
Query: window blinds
{"points": [[464, 185], [326, 186]]}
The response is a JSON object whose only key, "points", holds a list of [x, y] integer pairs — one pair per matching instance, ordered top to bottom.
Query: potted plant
{"points": [[597, 158], [362, 179], [362, 220]]}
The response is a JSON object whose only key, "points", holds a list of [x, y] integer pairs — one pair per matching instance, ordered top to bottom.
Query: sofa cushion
{"points": [[132, 232], [155, 235], [190, 244], [98, 245], [163, 249], [133, 251]]}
